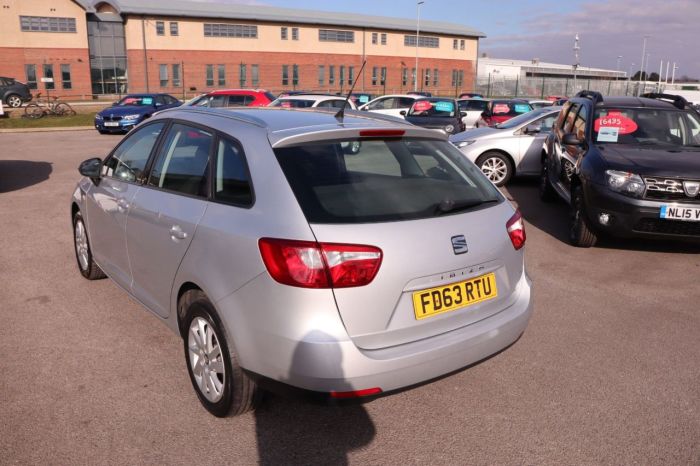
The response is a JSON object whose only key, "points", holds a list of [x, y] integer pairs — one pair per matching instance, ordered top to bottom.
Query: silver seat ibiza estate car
{"points": [[345, 256]]}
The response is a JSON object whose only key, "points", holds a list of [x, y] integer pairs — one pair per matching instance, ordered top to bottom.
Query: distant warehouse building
{"points": [[93, 47], [502, 68]]}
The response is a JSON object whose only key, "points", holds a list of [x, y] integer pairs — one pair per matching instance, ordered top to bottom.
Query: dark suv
{"points": [[13, 93], [627, 166]]}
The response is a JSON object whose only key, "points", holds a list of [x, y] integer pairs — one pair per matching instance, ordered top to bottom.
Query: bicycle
{"points": [[41, 107]]}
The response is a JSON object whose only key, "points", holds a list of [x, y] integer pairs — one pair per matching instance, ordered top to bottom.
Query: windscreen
{"points": [[136, 101], [292, 103], [433, 108], [509, 108], [646, 127], [353, 181]]}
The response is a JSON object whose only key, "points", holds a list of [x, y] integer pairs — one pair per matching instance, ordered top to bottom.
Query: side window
{"points": [[248, 99], [160, 100], [170, 100], [236, 100], [218, 101], [405, 102], [383, 104], [562, 116], [570, 117], [547, 123], [580, 124], [128, 161], [182, 161], [232, 184]]}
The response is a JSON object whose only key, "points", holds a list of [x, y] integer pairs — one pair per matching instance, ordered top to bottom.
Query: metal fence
{"points": [[543, 87]]}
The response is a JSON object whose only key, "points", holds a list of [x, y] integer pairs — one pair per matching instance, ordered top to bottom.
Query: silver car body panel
{"points": [[317, 339]]}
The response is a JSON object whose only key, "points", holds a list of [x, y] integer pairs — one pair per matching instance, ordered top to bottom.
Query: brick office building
{"points": [[94, 47]]}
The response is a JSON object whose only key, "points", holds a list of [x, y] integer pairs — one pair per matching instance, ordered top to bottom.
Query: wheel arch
{"points": [[184, 288]]}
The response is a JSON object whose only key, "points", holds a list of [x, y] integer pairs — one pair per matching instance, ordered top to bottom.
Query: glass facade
{"points": [[107, 57]]}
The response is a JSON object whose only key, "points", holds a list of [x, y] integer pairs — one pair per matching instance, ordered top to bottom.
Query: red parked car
{"points": [[234, 98], [500, 110]]}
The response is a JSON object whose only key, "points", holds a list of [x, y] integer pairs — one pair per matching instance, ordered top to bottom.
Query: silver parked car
{"points": [[511, 148], [279, 254]]}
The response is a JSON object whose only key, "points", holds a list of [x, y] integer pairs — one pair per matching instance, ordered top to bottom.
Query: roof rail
{"points": [[593, 95], [676, 100]]}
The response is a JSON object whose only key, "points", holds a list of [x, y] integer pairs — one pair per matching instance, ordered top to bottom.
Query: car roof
{"points": [[236, 91], [146, 94], [409, 96], [313, 97], [475, 99], [621, 101], [292, 124]]}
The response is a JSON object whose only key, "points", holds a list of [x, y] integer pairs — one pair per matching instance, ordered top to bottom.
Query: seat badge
{"points": [[691, 188], [459, 244]]}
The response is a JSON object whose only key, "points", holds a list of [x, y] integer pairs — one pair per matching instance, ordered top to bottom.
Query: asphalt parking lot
{"points": [[608, 371]]}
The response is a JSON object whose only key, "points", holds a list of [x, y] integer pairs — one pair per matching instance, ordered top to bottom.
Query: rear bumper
{"points": [[635, 218], [321, 363]]}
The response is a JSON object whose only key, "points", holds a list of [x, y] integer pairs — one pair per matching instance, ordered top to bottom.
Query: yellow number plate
{"points": [[427, 303]]}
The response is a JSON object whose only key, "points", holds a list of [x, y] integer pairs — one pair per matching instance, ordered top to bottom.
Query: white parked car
{"points": [[312, 101], [539, 103], [390, 104], [474, 108], [513, 147]]}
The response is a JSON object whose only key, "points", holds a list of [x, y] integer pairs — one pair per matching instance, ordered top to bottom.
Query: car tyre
{"points": [[13, 100], [496, 166], [546, 190], [580, 232], [83, 254], [222, 386]]}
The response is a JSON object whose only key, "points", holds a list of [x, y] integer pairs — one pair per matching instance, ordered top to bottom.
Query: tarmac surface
{"points": [[608, 371]]}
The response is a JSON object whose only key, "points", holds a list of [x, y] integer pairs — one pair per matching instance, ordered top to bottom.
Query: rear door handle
{"points": [[176, 233]]}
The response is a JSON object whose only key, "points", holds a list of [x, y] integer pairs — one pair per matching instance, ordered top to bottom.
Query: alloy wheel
{"points": [[14, 101], [495, 169], [81, 245], [206, 360]]}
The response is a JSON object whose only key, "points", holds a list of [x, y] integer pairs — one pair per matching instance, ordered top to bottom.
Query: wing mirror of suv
{"points": [[402, 112], [462, 114], [533, 128], [570, 139], [91, 168]]}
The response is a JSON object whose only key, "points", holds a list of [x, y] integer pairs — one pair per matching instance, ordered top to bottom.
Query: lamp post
{"points": [[644, 52], [617, 68], [415, 73], [673, 75]]}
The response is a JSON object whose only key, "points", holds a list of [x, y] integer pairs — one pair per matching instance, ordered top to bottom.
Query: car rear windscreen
{"points": [[292, 103], [510, 108], [353, 181]]}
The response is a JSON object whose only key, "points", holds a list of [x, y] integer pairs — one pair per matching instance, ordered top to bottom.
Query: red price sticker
{"points": [[421, 106], [501, 108], [615, 120]]}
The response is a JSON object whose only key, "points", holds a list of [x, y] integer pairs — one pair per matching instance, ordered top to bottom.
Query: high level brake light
{"points": [[516, 230], [309, 264]]}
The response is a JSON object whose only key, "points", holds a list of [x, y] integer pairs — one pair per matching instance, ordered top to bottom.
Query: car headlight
{"points": [[98, 116], [131, 117], [461, 144], [625, 183]]}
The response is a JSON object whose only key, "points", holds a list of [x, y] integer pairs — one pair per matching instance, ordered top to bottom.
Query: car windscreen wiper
{"points": [[449, 206]]}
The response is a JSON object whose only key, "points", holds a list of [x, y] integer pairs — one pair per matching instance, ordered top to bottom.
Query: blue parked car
{"points": [[132, 110]]}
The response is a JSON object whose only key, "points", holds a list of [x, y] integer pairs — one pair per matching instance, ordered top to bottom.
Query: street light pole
{"points": [[644, 52], [617, 68], [415, 72], [673, 75]]}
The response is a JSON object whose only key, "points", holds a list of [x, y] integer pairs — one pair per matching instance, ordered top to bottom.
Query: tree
{"points": [[645, 76]]}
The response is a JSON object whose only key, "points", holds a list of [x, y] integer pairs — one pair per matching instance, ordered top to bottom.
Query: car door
{"points": [[531, 145], [561, 163], [109, 201], [165, 213]]}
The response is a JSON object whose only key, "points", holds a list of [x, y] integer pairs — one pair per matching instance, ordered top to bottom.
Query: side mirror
{"points": [[114, 104], [364, 108], [402, 112], [462, 114], [533, 128], [570, 139], [91, 168]]}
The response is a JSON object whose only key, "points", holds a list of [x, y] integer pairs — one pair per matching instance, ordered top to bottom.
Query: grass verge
{"points": [[81, 119]]}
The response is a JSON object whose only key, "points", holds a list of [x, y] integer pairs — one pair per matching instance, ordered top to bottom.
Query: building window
{"points": [[46, 24], [160, 28], [174, 28], [246, 31], [283, 33], [295, 33], [334, 35], [375, 38], [383, 39], [423, 41], [454, 44], [461, 44], [108, 70], [375, 71], [30, 73], [48, 73], [163, 75], [176, 75], [210, 75], [222, 75], [242, 75], [255, 75], [285, 75], [295, 75], [321, 75], [331, 75], [351, 75], [65, 76], [342, 76], [404, 76], [413, 76], [426, 77], [457, 77], [436, 79], [383, 81]]}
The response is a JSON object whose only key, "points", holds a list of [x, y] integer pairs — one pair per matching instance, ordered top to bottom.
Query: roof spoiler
{"points": [[593, 95], [676, 100]]}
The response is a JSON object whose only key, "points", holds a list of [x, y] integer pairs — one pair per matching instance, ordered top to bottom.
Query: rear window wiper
{"points": [[448, 205]]}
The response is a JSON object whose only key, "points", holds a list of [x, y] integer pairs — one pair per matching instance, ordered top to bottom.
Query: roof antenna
{"points": [[341, 113]]}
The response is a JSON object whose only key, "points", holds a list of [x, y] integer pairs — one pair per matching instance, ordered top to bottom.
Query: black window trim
{"points": [[212, 167]]}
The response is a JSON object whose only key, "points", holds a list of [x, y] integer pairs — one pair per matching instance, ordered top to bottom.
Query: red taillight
{"points": [[382, 133], [516, 230], [309, 264], [356, 393]]}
